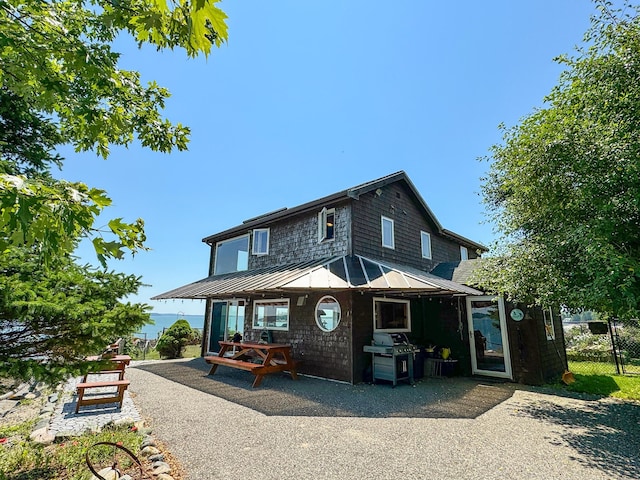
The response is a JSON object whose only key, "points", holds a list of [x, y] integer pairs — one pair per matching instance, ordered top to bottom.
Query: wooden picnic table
{"points": [[268, 358], [116, 365]]}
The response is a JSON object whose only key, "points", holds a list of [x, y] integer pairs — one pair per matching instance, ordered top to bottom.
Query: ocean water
{"points": [[165, 320]]}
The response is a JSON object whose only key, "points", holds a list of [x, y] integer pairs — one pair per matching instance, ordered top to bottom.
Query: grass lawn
{"points": [[191, 351], [602, 382], [26, 460]]}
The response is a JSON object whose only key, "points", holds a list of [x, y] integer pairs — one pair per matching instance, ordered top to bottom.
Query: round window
{"points": [[328, 314]]}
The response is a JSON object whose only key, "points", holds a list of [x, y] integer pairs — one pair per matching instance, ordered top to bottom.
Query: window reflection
{"points": [[328, 313]]}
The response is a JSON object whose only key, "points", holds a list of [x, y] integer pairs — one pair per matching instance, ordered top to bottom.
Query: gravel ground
{"points": [[520, 434]]}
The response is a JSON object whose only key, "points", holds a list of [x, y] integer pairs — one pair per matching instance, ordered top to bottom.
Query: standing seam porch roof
{"points": [[348, 272]]}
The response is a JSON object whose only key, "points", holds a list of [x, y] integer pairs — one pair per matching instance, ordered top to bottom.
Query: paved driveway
{"points": [[444, 429]]}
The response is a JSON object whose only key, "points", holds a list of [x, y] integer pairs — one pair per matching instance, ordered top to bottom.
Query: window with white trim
{"points": [[326, 224], [388, 239], [260, 241], [425, 242], [464, 253], [232, 255], [328, 313], [271, 314], [391, 315], [548, 324]]}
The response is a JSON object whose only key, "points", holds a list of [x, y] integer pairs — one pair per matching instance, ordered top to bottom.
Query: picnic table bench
{"points": [[272, 357], [116, 366], [111, 397]]}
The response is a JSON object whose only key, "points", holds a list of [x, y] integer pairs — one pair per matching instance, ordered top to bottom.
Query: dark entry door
{"points": [[217, 325]]}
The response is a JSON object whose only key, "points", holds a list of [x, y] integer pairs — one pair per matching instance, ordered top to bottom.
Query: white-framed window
{"points": [[326, 224], [388, 237], [260, 241], [425, 242], [464, 253], [232, 255], [328, 313], [271, 314], [391, 315], [548, 323]]}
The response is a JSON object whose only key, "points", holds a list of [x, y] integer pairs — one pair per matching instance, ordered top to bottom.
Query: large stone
{"points": [[124, 422], [42, 436], [148, 443], [146, 451], [159, 457], [164, 468], [108, 474], [164, 476]]}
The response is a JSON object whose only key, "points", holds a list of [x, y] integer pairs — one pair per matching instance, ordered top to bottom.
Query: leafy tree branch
{"points": [[563, 186]]}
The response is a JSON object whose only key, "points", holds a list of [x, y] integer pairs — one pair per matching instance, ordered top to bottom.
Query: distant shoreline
{"points": [[165, 320]]}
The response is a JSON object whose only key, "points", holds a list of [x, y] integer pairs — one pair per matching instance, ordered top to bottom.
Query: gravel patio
{"points": [[459, 428]]}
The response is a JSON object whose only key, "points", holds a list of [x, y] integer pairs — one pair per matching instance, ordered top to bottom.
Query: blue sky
{"points": [[309, 98]]}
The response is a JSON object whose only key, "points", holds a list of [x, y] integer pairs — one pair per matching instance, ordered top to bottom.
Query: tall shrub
{"points": [[172, 342]]}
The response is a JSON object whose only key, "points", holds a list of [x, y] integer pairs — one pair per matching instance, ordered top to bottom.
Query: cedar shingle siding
{"points": [[398, 203], [296, 239], [436, 319]]}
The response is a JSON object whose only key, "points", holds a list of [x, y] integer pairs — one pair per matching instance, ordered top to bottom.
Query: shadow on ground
{"points": [[279, 395], [606, 433]]}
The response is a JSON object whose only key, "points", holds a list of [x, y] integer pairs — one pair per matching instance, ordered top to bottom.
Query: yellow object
{"points": [[445, 353], [568, 378]]}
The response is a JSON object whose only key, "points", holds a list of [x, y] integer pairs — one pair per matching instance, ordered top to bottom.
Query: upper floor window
{"points": [[326, 224], [388, 239], [260, 241], [425, 241], [464, 253], [232, 255]]}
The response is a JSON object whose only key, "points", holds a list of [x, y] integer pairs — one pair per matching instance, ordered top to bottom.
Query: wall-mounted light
{"points": [[378, 192]]}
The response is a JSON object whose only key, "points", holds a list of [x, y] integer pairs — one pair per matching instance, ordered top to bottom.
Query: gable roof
{"points": [[344, 195], [348, 272]]}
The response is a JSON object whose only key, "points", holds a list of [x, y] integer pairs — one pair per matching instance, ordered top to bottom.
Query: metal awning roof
{"points": [[349, 272]]}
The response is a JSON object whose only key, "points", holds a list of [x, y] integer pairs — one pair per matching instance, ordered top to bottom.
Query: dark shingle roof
{"points": [[344, 195], [459, 272]]}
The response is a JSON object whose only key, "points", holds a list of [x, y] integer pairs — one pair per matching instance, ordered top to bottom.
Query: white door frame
{"points": [[229, 303], [503, 332]]}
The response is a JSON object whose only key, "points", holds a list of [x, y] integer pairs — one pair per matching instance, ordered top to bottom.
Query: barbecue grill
{"points": [[391, 357]]}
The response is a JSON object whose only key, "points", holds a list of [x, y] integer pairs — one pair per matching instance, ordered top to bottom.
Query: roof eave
{"points": [[279, 215], [460, 238]]}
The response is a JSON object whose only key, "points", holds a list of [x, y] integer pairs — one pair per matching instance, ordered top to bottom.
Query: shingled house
{"points": [[326, 275]]}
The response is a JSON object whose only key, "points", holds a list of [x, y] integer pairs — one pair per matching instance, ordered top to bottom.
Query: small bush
{"points": [[173, 341]]}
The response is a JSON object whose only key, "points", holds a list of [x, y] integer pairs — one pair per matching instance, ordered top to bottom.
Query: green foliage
{"points": [[60, 83], [563, 186], [53, 315], [173, 341], [582, 345], [618, 386], [23, 459]]}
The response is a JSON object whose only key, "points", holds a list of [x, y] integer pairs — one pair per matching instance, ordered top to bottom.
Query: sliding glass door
{"points": [[227, 318]]}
